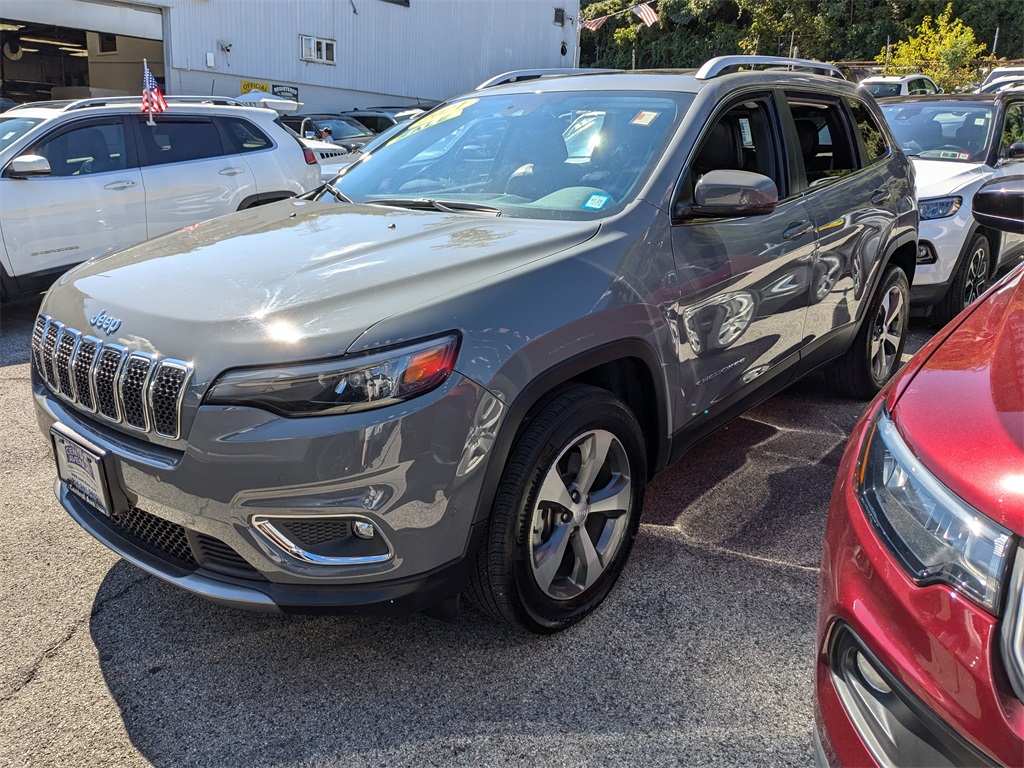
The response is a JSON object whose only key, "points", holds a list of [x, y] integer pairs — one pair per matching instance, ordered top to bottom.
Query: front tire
{"points": [[969, 282], [875, 354], [566, 513]]}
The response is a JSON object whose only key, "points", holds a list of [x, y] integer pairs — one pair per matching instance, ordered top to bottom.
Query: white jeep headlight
{"points": [[939, 207]]}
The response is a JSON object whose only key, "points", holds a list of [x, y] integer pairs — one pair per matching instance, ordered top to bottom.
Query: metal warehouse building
{"points": [[329, 54]]}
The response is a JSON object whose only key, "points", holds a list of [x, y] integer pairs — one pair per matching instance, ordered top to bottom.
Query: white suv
{"points": [[881, 86], [79, 179]]}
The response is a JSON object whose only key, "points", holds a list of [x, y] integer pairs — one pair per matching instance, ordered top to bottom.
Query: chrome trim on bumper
{"points": [[262, 524]]}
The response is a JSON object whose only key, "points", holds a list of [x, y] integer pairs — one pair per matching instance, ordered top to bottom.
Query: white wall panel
{"points": [[430, 50]]}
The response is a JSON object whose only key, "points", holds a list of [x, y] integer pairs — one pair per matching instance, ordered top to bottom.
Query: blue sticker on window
{"points": [[596, 202]]}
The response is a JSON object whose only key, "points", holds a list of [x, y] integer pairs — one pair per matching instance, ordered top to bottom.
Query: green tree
{"points": [[942, 48]]}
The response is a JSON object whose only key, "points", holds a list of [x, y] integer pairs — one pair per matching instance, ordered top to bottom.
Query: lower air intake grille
{"points": [[309, 533], [159, 534], [218, 556]]}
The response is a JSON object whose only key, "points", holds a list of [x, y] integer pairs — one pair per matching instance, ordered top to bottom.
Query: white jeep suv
{"points": [[957, 143], [81, 178]]}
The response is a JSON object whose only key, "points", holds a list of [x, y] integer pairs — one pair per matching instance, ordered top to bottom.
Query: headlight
{"points": [[939, 208], [343, 385], [936, 536]]}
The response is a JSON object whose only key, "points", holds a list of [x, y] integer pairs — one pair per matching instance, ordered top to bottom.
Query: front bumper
{"points": [[947, 238], [413, 470], [937, 654]]}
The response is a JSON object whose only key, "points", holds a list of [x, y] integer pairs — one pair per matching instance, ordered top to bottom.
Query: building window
{"points": [[108, 43], [317, 49]]}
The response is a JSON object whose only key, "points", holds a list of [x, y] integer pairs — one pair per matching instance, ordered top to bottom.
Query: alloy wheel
{"points": [[977, 275], [888, 333], [581, 514]]}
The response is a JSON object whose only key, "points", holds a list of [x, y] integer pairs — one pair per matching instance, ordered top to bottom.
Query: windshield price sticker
{"points": [[645, 117], [80, 470]]}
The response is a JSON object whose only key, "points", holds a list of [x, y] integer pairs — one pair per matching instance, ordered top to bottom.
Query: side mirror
{"points": [[1016, 150], [24, 166], [734, 193], [1000, 204]]}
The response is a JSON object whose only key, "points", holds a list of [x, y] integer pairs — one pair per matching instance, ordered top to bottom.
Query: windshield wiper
{"points": [[314, 194], [426, 204]]}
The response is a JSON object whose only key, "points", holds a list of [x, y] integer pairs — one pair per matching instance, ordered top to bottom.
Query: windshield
{"points": [[878, 90], [13, 128], [342, 129], [955, 131], [576, 155]]}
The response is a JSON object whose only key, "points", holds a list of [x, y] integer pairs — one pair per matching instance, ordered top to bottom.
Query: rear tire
{"points": [[969, 282], [875, 354], [565, 515]]}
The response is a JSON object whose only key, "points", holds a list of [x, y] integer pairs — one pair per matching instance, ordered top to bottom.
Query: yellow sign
{"points": [[253, 85]]}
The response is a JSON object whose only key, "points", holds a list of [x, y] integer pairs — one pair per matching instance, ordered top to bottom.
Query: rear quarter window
{"points": [[870, 131], [243, 136]]}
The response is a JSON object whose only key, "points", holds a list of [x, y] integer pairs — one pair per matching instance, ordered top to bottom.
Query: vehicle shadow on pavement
{"points": [[15, 330], [655, 674]]}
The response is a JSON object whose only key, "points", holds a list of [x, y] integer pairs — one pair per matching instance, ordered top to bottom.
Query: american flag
{"points": [[647, 14], [595, 24], [152, 99]]}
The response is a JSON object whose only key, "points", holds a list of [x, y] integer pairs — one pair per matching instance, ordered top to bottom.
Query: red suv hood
{"points": [[962, 414]]}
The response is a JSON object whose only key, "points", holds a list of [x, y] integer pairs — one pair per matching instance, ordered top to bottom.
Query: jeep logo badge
{"points": [[105, 322]]}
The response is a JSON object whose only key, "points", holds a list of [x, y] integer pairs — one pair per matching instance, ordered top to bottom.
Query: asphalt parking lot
{"points": [[701, 656]]}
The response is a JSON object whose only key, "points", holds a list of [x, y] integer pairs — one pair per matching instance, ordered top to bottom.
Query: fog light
{"points": [[925, 254], [363, 530], [870, 675]]}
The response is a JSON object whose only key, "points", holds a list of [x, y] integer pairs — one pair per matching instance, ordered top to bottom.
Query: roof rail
{"points": [[725, 65], [520, 75], [111, 100]]}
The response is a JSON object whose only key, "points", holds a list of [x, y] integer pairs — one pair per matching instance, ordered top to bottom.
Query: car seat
{"points": [[971, 137], [89, 143], [538, 156]]}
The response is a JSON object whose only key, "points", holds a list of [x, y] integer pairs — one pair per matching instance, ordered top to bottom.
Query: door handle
{"points": [[232, 171], [120, 185], [879, 196], [797, 229]]}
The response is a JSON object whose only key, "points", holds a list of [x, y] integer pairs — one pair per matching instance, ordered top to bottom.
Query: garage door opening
{"points": [[40, 62]]}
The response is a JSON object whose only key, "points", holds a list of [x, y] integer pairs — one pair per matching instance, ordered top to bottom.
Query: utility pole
{"points": [[995, 42]]}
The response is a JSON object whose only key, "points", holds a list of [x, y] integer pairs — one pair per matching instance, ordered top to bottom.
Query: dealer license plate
{"points": [[81, 470]]}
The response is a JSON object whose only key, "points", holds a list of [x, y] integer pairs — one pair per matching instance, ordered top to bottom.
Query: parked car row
{"points": [[451, 371]]}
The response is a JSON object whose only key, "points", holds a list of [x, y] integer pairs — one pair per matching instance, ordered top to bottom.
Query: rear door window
{"points": [[176, 140], [827, 144]]}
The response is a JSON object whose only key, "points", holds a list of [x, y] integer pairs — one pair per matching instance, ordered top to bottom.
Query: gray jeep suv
{"points": [[454, 370]]}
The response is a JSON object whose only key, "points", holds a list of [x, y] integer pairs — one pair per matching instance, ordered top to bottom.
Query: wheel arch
{"points": [[627, 368]]}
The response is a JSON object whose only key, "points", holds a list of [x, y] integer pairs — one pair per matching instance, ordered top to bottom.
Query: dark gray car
{"points": [[455, 370]]}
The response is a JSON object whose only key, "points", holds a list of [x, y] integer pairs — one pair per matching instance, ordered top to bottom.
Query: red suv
{"points": [[920, 657]]}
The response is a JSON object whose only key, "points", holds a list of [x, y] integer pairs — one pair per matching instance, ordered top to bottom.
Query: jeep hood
{"points": [[938, 178], [292, 281]]}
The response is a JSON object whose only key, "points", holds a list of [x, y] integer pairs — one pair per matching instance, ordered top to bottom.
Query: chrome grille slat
{"points": [[38, 330], [53, 330], [66, 348], [81, 366], [108, 367], [130, 387], [166, 392]]}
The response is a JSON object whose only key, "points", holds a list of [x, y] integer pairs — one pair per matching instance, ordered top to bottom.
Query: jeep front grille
{"points": [[125, 386]]}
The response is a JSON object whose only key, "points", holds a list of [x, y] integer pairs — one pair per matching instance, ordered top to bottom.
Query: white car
{"points": [[881, 86], [957, 143], [81, 178]]}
